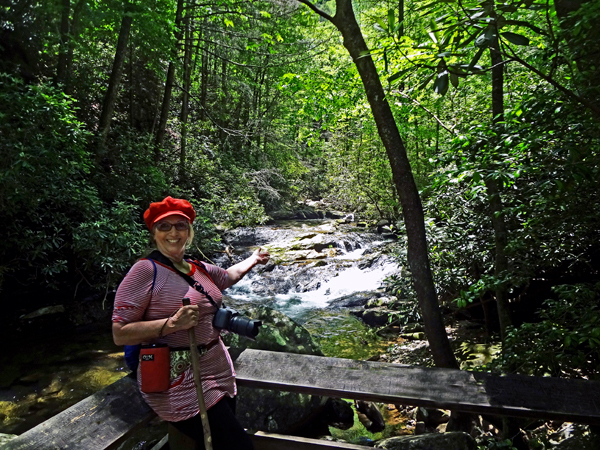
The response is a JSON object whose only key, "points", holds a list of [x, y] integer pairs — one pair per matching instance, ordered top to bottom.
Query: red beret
{"points": [[168, 207]]}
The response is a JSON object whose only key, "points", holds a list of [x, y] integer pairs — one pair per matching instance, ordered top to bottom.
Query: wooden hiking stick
{"points": [[198, 382]]}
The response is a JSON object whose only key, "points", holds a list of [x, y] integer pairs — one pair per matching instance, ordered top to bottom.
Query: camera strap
{"points": [[158, 257]]}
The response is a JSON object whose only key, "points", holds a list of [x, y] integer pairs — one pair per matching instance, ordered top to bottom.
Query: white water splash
{"points": [[348, 281]]}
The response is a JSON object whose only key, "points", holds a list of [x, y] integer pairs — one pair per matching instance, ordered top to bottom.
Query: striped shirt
{"points": [[136, 300]]}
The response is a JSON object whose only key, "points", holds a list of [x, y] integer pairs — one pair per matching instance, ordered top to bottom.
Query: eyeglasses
{"points": [[166, 226]]}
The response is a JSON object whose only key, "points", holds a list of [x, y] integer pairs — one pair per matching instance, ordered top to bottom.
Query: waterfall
{"points": [[297, 287]]}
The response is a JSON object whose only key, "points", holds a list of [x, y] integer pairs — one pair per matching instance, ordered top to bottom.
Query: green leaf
{"points": [[391, 18], [382, 24], [433, 34], [485, 38], [515, 38], [475, 59], [397, 75], [454, 79], [424, 84], [440, 86]]}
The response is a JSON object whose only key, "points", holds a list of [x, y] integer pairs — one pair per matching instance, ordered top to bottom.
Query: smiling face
{"points": [[171, 243]]}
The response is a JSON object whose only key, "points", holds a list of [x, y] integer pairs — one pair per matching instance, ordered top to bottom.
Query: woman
{"points": [[148, 309]]}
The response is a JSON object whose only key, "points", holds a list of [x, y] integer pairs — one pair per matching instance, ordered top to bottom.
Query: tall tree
{"points": [[345, 21], [63, 52], [187, 84], [110, 97], [166, 103], [493, 186]]}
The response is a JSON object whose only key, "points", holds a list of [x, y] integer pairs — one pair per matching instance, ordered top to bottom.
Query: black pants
{"points": [[226, 431]]}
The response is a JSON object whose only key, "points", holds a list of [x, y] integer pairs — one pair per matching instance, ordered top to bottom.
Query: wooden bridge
{"points": [[105, 419]]}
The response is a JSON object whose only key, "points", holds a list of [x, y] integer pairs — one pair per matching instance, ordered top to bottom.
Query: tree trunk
{"points": [[401, 18], [74, 31], [63, 51], [187, 75], [115, 78], [204, 84], [166, 103], [493, 187], [418, 258]]}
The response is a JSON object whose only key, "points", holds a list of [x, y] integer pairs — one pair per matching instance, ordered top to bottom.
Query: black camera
{"points": [[230, 319]]}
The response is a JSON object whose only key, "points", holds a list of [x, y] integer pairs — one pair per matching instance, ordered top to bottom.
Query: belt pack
{"points": [[160, 365]]}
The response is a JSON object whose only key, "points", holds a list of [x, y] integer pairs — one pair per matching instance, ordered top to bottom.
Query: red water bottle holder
{"points": [[154, 368]]}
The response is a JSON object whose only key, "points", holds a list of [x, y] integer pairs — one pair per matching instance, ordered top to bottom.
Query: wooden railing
{"points": [[103, 420]]}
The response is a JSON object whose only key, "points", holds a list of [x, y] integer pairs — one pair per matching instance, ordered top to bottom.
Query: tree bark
{"points": [[401, 18], [345, 22], [73, 31], [63, 51], [187, 77], [115, 78], [204, 84], [166, 103], [494, 192]]}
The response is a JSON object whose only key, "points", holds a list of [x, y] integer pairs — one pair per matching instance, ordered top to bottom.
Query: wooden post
{"points": [[198, 382]]}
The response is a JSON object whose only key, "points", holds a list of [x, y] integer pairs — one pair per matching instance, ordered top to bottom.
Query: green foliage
{"points": [[44, 188], [109, 241], [567, 343]]}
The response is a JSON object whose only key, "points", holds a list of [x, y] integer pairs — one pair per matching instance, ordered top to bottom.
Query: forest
{"points": [[472, 126]]}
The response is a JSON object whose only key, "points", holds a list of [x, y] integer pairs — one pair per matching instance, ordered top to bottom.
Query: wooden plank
{"points": [[514, 395], [101, 421], [271, 441], [161, 444]]}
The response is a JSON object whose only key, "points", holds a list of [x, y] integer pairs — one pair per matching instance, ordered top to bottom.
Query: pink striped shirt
{"points": [[136, 301]]}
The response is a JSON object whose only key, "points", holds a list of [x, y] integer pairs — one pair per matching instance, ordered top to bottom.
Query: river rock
{"points": [[352, 300], [380, 301], [55, 309], [374, 317], [276, 411], [431, 417], [4, 438], [446, 441]]}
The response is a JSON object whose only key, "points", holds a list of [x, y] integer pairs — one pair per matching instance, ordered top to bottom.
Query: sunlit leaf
{"points": [[382, 24], [433, 34], [475, 59], [397, 75]]}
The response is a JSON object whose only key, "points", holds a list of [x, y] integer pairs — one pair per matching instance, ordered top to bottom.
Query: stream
{"points": [[313, 264]]}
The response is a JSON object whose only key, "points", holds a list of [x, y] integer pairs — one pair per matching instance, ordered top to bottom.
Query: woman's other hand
{"points": [[261, 256], [237, 271]]}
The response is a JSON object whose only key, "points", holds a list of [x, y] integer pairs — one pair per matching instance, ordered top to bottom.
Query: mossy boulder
{"points": [[278, 333], [276, 411]]}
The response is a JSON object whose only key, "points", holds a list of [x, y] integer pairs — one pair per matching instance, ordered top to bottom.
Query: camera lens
{"points": [[244, 326]]}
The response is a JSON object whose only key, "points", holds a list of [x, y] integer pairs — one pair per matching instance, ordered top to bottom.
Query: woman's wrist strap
{"points": [[162, 329]]}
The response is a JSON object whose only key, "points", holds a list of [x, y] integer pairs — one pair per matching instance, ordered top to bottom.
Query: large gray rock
{"points": [[276, 411], [435, 441]]}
